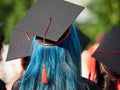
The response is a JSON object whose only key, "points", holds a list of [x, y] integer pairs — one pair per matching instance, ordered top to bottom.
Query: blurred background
{"points": [[98, 17]]}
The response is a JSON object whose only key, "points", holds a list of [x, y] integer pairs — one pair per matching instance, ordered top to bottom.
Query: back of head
{"points": [[108, 53], [25, 61], [62, 62]]}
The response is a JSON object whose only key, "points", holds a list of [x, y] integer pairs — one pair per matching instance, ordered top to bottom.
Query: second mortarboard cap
{"points": [[54, 15], [108, 51]]}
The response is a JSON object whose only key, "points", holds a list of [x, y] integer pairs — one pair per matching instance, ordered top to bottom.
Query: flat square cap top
{"points": [[60, 15]]}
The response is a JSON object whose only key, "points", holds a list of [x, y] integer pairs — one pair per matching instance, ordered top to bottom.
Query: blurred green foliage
{"points": [[11, 12], [106, 14]]}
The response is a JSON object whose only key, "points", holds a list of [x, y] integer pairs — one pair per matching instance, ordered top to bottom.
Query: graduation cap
{"points": [[54, 15], [108, 51]]}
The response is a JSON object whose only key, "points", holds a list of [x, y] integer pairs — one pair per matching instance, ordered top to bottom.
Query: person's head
{"points": [[1, 46], [108, 54], [24, 62], [62, 62], [109, 72], [106, 78]]}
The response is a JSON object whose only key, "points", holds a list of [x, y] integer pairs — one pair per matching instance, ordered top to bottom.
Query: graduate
{"points": [[55, 48], [108, 61]]}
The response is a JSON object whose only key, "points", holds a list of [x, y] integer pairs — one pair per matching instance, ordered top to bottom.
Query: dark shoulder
{"points": [[16, 84], [85, 84], [89, 85]]}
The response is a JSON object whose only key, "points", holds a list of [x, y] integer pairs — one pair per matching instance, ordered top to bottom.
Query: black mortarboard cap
{"points": [[56, 15], [62, 15], [84, 40], [108, 51]]}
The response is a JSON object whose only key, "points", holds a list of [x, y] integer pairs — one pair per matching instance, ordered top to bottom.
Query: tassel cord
{"points": [[44, 73]]}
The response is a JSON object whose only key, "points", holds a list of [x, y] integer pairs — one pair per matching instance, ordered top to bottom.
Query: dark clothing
{"points": [[16, 84], [2, 85], [85, 85], [89, 85]]}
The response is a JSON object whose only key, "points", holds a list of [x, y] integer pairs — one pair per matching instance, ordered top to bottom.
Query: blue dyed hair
{"points": [[62, 65]]}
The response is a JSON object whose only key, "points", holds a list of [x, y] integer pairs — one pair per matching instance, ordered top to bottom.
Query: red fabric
{"points": [[91, 62], [118, 85]]}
